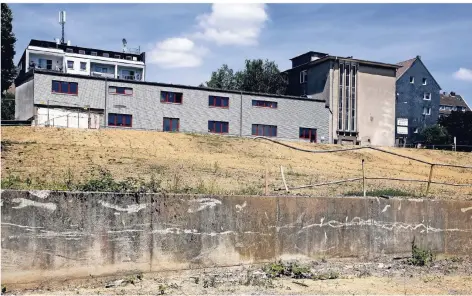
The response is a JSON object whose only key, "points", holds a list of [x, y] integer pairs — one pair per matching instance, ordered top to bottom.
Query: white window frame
{"points": [[69, 50], [81, 51], [94, 53], [117, 56], [72, 68], [303, 76], [412, 79], [425, 81], [427, 96], [426, 110]]}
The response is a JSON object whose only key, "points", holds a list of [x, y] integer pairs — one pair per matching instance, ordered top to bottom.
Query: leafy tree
{"points": [[8, 68], [257, 76], [8, 106], [459, 125], [435, 135]]}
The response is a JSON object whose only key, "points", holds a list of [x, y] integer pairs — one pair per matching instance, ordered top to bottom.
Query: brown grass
{"points": [[215, 164]]}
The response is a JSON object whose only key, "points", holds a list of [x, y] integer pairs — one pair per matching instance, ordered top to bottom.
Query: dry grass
{"points": [[47, 157]]}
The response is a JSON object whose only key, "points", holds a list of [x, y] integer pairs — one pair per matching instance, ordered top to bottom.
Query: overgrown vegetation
{"points": [[382, 192], [419, 256], [296, 271]]}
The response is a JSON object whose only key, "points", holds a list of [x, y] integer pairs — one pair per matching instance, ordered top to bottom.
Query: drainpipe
{"points": [[105, 107], [241, 116]]}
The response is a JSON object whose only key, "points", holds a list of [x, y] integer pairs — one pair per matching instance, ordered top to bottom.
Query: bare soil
{"points": [[384, 275]]}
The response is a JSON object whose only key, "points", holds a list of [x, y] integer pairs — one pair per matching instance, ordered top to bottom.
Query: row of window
{"points": [[105, 54], [70, 65], [412, 80], [166, 96], [452, 108], [219, 127]]}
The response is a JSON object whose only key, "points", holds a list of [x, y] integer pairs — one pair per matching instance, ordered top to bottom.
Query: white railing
{"points": [[101, 74]]}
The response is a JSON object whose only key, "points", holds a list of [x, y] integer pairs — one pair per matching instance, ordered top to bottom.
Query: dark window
{"points": [[69, 50], [81, 51], [94, 53], [105, 54], [117, 56], [128, 58], [49, 64], [70, 64], [83, 66], [412, 79], [64, 87], [120, 90], [171, 97], [222, 102], [265, 104], [115, 119], [171, 124], [220, 127], [264, 130], [308, 133]]}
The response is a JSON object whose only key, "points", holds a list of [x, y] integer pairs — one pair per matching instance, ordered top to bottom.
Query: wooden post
{"points": [[283, 178], [363, 178], [429, 179], [266, 180]]}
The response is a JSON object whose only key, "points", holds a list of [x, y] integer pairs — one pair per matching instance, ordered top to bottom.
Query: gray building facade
{"points": [[151, 106]]}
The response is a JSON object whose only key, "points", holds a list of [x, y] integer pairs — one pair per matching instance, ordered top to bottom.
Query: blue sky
{"points": [[184, 43]]}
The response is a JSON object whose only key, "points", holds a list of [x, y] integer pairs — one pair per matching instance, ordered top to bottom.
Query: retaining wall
{"points": [[63, 235]]}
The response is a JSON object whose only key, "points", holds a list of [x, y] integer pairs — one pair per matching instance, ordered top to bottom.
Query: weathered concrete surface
{"points": [[61, 234]]}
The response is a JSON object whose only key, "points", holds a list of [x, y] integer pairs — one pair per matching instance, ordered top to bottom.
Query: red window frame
{"points": [[68, 92], [120, 93], [165, 99], [221, 100], [264, 104], [170, 118], [122, 119], [212, 126], [260, 127], [306, 133]]}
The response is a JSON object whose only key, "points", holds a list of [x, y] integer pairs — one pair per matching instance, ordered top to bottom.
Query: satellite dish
{"points": [[124, 42]]}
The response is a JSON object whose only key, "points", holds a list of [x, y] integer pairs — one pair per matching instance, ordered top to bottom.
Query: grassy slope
{"points": [[48, 157]]}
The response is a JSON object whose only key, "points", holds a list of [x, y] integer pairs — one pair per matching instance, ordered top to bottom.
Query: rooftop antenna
{"points": [[62, 22], [124, 44]]}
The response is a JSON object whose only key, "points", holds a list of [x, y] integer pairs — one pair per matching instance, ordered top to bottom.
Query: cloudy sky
{"points": [[185, 42]]}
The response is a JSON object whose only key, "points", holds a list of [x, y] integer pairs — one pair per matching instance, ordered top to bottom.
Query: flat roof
{"points": [[310, 52], [30, 74]]}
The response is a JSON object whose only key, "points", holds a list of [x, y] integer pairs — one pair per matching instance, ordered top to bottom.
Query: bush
{"points": [[419, 256]]}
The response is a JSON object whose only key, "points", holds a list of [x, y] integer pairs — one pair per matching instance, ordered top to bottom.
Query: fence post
{"points": [[283, 178], [363, 178], [429, 179], [266, 181]]}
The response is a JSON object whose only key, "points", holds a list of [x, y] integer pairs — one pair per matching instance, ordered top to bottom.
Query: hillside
{"points": [[51, 158]]}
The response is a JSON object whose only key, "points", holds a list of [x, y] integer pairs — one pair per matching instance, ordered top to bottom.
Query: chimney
{"points": [[418, 57], [444, 93], [453, 94]]}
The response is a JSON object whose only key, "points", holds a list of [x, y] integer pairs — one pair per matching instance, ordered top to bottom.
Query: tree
{"points": [[8, 67], [257, 76], [8, 106], [459, 125], [435, 135]]}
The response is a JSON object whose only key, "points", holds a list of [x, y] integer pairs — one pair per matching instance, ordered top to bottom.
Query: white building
{"points": [[61, 57]]}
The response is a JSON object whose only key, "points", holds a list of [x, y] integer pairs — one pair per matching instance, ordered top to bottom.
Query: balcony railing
{"points": [[54, 69], [101, 74], [136, 77]]}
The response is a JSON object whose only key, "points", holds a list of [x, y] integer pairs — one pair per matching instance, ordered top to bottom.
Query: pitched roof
{"points": [[405, 65], [457, 100]]}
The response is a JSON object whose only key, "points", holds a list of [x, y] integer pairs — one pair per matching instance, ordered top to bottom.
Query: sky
{"points": [[184, 43]]}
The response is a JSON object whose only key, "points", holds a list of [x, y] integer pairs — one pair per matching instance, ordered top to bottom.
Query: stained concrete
{"points": [[62, 234]]}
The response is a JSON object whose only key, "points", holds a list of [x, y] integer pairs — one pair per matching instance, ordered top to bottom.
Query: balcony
{"points": [[101, 74], [135, 77]]}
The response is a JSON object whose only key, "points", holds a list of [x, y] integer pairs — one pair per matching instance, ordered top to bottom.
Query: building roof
{"points": [[310, 53], [405, 65], [30, 74], [453, 100]]}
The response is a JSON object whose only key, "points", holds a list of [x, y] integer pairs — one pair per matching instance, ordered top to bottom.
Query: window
{"points": [[69, 50], [81, 51], [94, 53], [105, 54], [117, 56], [128, 58], [135, 58], [44, 64], [70, 64], [83, 66], [101, 69], [303, 76], [412, 79], [425, 81], [64, 87], [117, 90], [427, 96], [171, 97], [340, 99], [222, 102], [265, 104], [442, 107], [454, 108], [426, 111], [115, 119], [171, 124], [219, 127], [264, 130], [416, 130], [307, 133]]}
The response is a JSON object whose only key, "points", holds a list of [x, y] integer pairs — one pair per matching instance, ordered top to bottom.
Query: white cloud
{"points": [[238, 24], [176, 53], [463, 74]]}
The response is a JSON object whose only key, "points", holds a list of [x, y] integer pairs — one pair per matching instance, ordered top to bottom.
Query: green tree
{"points": [[8, 68], [257, 76], [459, 125], [435, 135]]}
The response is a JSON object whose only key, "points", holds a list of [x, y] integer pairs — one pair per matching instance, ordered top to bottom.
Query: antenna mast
{"points": [[62, 22]]}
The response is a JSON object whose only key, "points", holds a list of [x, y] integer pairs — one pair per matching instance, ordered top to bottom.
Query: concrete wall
{"points": [[24, 95], [410, 100], [376, 106], [194, 113], [68, 118], [58, 234]]}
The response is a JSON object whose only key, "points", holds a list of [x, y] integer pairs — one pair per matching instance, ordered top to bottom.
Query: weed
{"points": [[216, 167], [380, 192], [419, 256], [456, 259], [275, 269], [331, 275], [162, 289]]}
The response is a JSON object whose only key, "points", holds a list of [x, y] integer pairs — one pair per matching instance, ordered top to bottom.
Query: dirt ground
{"points": [[49, 158], [384, 275]]}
